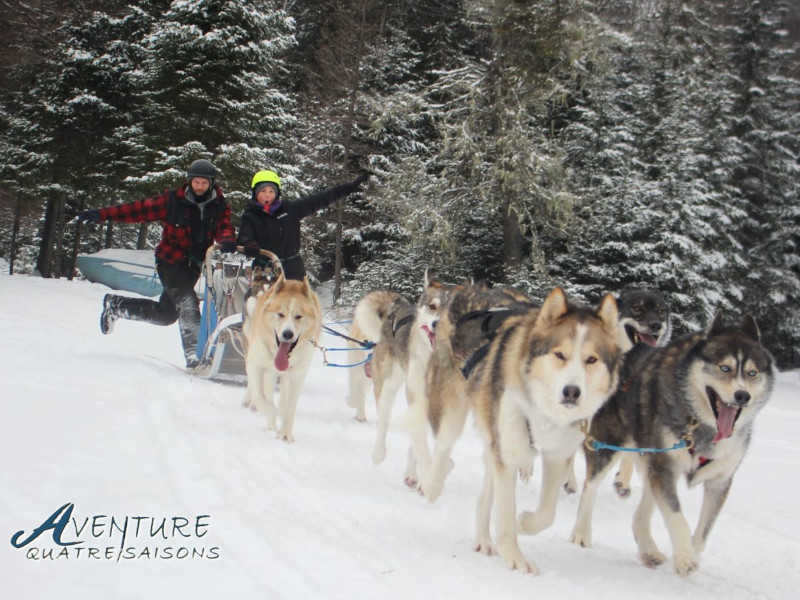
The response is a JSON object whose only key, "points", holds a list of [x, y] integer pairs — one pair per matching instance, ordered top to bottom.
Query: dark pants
{"points": [[178, 302]]}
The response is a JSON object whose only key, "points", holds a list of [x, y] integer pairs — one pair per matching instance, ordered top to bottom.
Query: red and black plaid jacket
{"points": [[176, 240]]}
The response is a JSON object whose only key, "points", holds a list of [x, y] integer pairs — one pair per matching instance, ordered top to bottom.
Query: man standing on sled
{"points": [[193, 216]]}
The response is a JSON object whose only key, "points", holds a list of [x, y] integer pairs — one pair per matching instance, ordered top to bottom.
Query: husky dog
{"points": [[368, 318], [644, 318], [282, 328], [404, 334], [545, 375], [705, 388]]}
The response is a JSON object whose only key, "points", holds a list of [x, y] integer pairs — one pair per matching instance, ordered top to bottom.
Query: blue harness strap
{"points": [[363, 345], [595, 445]]}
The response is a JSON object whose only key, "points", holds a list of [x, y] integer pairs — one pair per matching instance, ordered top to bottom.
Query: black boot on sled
{"points": [[109, 315]]}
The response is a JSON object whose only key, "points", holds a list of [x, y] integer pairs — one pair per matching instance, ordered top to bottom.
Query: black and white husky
{"points": [[700, 393]]}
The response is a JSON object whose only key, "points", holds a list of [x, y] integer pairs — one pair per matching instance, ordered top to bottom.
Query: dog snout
{"points": [[434, 324], [655, 326], [287, 334], [570, 394], [741, 397]]}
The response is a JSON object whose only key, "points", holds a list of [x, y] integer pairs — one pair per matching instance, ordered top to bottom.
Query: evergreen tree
{"points": [[213, 72], [765, 167]]}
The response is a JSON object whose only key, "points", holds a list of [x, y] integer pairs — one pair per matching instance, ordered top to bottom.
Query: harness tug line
{"points": [[363, 345], [593, 445]]}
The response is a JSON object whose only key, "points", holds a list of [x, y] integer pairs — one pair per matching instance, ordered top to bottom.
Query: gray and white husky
{"points": [[404, 336], [705, 388]]}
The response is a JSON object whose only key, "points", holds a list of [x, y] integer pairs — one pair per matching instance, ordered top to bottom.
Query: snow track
{"points": [[87, 419]]}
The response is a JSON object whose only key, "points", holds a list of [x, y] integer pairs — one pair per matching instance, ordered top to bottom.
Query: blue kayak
{"points": [[129, 270]]}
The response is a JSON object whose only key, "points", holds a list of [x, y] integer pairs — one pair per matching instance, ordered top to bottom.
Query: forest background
{"points": [[596, 145]]}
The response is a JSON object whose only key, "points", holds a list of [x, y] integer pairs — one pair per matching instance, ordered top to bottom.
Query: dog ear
{"points": [[306, 286], [555, 306], [609, 313], [716, 325], [750, 327]]}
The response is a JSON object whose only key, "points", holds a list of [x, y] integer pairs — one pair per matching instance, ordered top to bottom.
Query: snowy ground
{"points": [[92, 420]]}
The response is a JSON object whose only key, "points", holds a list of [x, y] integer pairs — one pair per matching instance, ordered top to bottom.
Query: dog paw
{"points": [[361, 418], [285, 437], [378, 454], [525, 474], [411, 481], [570, 487], [431, 488], [622, 490], [533, 522], [581, 538], [485, 546], [652, 559], [516, 560], [685, 563]]}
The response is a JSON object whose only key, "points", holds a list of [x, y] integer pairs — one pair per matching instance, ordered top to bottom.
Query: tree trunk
{"points": [[109, 238], [59, 240], [141, 240], [12, 251], [45, 258], [337, 268]]}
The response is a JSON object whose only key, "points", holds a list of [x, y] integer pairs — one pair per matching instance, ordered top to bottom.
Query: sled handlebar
{"points": [[273, 258]]}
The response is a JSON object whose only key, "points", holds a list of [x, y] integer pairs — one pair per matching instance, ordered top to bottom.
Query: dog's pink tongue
{"points": [[431, 334], [648, 339], [282, 358], [726, 415]]}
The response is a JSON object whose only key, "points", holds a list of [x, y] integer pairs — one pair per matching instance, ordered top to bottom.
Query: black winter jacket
{"points": [[280, 232]]}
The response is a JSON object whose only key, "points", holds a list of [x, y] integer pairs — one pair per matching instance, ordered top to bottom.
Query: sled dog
{"points": [[644, 318], [468, 323], [283, 324], [366, 327], [404, 343], [545, 375], [703, 390]]}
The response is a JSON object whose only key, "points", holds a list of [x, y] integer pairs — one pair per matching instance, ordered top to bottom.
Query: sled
{"points": [[121, 269], [227, 278]]}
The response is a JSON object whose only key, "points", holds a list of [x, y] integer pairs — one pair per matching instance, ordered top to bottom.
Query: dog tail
{"points": [[369, 314]]}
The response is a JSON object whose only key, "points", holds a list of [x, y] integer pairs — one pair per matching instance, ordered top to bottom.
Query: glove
{"points": [[358, 181], [89, 216], [227, 246], [251, 249]]}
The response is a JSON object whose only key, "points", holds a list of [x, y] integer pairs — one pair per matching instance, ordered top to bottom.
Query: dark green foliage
{"points": [[590, 145]]}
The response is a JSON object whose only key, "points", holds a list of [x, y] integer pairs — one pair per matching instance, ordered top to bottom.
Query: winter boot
{"points": [[109, 314], [192, 362]]}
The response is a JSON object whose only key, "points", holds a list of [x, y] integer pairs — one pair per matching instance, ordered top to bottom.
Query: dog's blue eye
{"points": [[725, 368], [752, 373]]}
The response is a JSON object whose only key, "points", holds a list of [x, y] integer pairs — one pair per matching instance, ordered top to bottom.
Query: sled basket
{"points": [[227, 279]]}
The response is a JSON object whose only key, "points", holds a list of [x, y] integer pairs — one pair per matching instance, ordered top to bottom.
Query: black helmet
{"points": [[202, 168]]}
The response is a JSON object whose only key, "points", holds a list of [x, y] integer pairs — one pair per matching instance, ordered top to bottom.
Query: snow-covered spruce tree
{"points": [[214, 72], [82, 97], [367, 108], [762, 137], [496, 181], [651, 213]]}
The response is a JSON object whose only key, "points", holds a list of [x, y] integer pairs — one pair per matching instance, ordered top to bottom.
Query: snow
{"points": [[108, 424]]}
